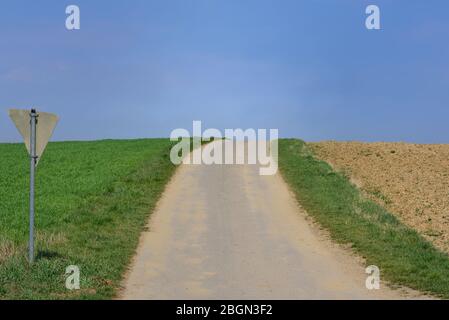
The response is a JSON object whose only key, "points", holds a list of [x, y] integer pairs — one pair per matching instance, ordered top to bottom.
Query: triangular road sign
{"points": [[46, 123]]}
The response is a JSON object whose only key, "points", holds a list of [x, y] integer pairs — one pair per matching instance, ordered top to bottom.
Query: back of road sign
{"points": [[46, 123]]}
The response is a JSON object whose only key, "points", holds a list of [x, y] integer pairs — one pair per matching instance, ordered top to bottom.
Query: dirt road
{"points": [[225, 232]]}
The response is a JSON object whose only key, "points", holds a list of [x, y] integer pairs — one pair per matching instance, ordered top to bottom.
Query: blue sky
{"points": [[141, 68]]}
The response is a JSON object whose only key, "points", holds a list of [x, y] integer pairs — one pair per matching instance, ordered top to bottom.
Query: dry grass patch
{"points": [[7, 250]]}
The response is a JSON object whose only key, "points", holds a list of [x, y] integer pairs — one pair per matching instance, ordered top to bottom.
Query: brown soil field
{"points": [[410, 180]]}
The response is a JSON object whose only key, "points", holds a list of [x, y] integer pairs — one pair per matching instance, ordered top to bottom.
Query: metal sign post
{"points": [[36, 137], [33, 157]]}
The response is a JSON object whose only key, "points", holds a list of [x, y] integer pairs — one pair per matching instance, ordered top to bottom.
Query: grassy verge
{"points": [[93, 200], [403, 256]]}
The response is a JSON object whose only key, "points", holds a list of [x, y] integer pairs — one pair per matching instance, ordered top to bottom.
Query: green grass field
{"points": [[92, 202], [402, 255]]}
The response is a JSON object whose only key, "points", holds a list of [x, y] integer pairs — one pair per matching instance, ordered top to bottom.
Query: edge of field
{"points": [[101, 239], [403, 256]]}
